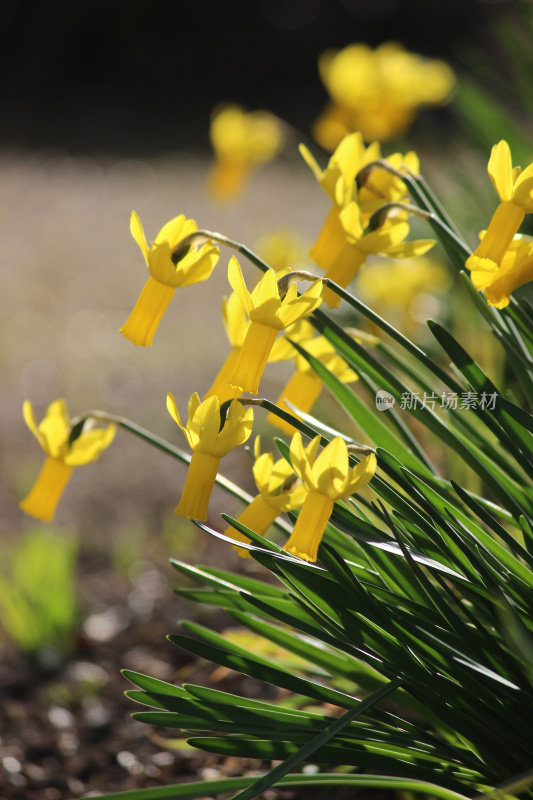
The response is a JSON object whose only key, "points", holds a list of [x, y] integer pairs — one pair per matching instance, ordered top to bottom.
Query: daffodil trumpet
{"points": [[269, 313], [210, 435], [66, 445], [327, 477]]}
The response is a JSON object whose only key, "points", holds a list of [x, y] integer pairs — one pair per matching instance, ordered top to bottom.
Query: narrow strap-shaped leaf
{"points": [[497, 420], [263, 671], [314, 744], [199, 789]]}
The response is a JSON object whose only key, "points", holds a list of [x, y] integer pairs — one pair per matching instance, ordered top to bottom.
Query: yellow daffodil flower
{"points": [[377, 91], [241, 140], [338, 179], [378, 187], [515, 190], [343, 245], [194, 266], [515, 270], [269, 313], [236, 324], [304, 386], [209, 442], [61, 457], [327, 478], [279, 491]]}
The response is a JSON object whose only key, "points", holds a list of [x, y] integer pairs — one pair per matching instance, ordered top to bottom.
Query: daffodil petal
{"points": [[310, 161], [500, 170], [173, 231], [137, 232], [238, 285], [29, 419], [55, 428], [88, 446], [330, 470], [361, 474]]}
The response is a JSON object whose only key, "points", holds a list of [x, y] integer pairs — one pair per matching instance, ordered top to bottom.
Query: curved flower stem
{"points": [[418, 188], [213, 236], [456, 249], [155, 441]]}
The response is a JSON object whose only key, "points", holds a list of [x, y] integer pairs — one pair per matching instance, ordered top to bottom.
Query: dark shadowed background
{"points": [[144, 76]]}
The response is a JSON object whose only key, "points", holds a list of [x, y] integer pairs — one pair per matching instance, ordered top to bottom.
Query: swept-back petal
{"points": [[311, 162], [501, 171], [523, 189], [350, 219], [137, 232], [173, 232], [385, 237], [417, 247], [161, 266], [196, 267], [238, 285], [265, 293], [294, 308], [234, 319], [175, 414], [29, 419], [204, 424], [55, 428], [237, 428], [88, 446], [302, 458], [262, 470], [330, 470], [361, 474]]}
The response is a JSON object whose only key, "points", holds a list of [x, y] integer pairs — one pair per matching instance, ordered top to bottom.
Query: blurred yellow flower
{"points": [[377, 91], [241, 141], [515, 190], [343, 245], [281, 249], [194, 265], [515, 270], [404, 292], [269, 313], [304, 386], [209, 438], [61, 457], [327, 478], [279, 491]]}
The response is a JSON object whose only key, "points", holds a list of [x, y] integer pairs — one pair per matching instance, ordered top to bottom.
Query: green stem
{"points": [[213, 236], [161, 444]]}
